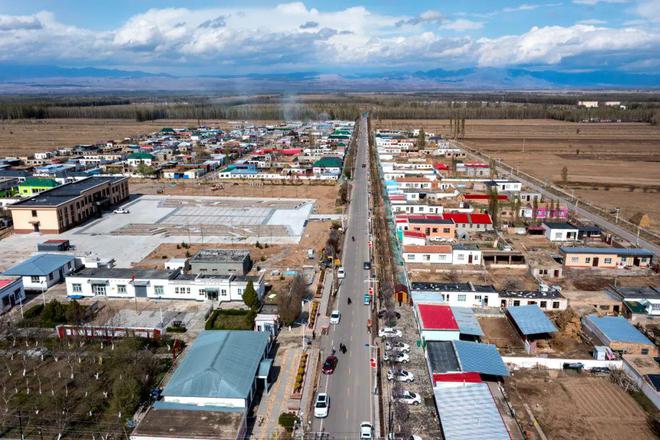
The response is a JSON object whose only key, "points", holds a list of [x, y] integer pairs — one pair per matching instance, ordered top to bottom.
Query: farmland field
{"points": [[609, 164]]}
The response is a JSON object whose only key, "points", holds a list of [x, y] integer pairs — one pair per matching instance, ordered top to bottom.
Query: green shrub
{"points": [[172, 329], [287, 421]]}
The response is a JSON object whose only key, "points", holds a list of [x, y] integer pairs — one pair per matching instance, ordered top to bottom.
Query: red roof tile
{"points": [[418, 234], [431, 249], [437, 317], [457, 377]]}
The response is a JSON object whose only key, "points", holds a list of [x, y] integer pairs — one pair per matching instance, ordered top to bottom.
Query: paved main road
{"points": [[351, 384]]}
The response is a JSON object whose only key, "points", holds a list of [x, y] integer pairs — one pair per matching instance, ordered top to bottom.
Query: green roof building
{"points": [[328, 162], [34, 185]]}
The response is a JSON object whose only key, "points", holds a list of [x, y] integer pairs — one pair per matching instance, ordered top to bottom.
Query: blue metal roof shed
{"points": [[40, 265], [531, 320], [467, 322], [615, 329], [480, 358], [220, 364]]}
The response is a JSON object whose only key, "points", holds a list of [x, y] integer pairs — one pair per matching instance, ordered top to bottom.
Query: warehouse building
{"points": [[58, 209], [221, 262], [619, 335]]}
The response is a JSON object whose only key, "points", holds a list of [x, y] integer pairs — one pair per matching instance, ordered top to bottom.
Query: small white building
{"points": [[560, 231], [431, 254], [466, 254], [41, 271], [11, 292], [455, 294]]}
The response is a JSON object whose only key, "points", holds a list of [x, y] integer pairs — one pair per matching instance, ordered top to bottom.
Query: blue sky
{"points": [[231, 37]]}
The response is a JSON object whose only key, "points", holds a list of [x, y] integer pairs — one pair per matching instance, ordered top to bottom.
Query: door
{"points": [[36, 227], [469, 258], [594, 263], [141, 291]]}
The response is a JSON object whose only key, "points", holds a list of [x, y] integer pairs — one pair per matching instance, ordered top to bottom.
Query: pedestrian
{"points": [[313, 334], [343, 348]]}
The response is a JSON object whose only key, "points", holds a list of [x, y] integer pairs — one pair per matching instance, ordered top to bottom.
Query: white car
{"points": [[121, 211], [341, 273], [335, 316], [389, 332], [397, 346], [397, 357], [400, 375], [408, 397], [322, 405], [366, 431]]}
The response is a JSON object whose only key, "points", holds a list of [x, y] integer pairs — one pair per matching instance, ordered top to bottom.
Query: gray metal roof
{"points": [[628, 252], [220, 256], [40, 265], [142, 274], [531, 320], [467, 322], [618, 328], [442, 357], [480, 358], [219, 364], [468, 412]]}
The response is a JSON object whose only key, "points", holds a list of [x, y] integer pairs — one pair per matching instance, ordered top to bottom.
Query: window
{"points": [[34, 213], [435, 229], [445, 230], [411, 257], [426, 257], [460, 257], [575, 259], [587, 259], [607, 261], [50, 276], [35, 279], [76, 288], [121, 288], [98, 289], [158, 290], [240, 291], [224, 292], [477, 297], [462, 298], [516, 303], [544, 304], [555, 304], [645, 351]]}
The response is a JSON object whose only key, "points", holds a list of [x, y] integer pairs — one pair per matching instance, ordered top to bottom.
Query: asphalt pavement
{"points": [[350, 386]]}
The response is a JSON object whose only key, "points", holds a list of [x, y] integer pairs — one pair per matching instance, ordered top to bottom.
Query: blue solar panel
{"points": [[531, 320], [480, 358]]}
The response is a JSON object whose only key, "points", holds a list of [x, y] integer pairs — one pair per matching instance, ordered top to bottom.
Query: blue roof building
{"points": [[41, 271], [530, 320], [619, 334], [464, 356], [221, 370]]}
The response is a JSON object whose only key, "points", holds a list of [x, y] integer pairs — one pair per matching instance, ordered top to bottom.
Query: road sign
{"points": [[372, 362]]}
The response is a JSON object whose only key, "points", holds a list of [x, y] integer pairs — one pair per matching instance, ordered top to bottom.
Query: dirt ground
{"points": [[27, 136], [612, 156], [324, 194], [268, 258], [500, 332], [575, 406]]}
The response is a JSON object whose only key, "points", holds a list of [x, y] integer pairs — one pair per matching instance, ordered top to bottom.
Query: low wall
{"points": [[516, 362], [646, 388]]}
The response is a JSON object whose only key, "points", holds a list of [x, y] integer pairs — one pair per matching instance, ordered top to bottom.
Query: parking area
{"points": [[157, 219]]}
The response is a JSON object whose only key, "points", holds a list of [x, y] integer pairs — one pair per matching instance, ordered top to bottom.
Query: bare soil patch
{"points": [[500, 332]]}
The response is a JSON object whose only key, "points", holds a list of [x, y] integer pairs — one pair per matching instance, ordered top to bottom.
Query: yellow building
{"points": [[63, 207], [606, 258]]}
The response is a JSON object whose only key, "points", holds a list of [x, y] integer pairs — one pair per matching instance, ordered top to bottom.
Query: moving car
{"points": [[121, 211], [366, 265], [341, 273], [366, 299], [335, 316], [389, 332], [397, 346], [397, 357], [330, 364], [400, 375], [408, 397], [322, 405], [366, 431]]}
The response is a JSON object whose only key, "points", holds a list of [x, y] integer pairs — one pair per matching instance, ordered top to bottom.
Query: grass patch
{"points": [[55, 313], [234, 319]]}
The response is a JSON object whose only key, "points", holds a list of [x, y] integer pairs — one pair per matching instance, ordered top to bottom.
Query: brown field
{"points": [[27, 136], [618, 164], [325, 194], [500, 332], [574, 406]]}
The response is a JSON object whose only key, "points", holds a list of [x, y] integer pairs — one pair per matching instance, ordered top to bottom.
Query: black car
{"points": [[364, 165], [366, 265], [383, 312], [330, 364], [573, 366], [600, 371]]}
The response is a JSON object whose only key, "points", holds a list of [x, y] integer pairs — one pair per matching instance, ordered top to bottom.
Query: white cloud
{"points": [[595, 2], [649, 10], [429, 16], [593, 21], [15, 22], [462, 24]]}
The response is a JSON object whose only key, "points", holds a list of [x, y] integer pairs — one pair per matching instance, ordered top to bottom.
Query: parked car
{"points": [[121, 211], [366, 265], [341, 274], [366, 299], [382, 313], [335, 317], [389, 332], [397, 346], [401, 357], [330, 364], [573, 366], [601, 371], [400, 375], [408, 397], [322, 405], [366, 431], [393, 436]]}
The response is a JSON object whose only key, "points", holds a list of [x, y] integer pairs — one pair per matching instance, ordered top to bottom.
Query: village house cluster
{"points": [[485, 257]]}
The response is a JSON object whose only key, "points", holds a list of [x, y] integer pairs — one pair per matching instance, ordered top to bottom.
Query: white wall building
{"points": [[11, 292]]}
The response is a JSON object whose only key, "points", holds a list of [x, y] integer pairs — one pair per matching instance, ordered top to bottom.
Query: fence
{"points": [[558, 363]]}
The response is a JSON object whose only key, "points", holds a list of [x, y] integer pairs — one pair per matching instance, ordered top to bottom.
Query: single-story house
{"points": [[140, 158], [328, 165], [35, 185], [469, 222], [560, 231], [414, 238], [431, 254], [466, 254], [606, 258], [41, 271], [11, 292], [455, 294], [550, 300], [638, 302], [438, 322], [531, 323], [617, 333], [464, 357]]}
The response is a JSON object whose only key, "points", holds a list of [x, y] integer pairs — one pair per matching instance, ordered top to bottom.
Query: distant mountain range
{"points": [[45, 78]]}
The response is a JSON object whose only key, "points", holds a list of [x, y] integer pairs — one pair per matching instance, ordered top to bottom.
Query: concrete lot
{"points": [[154, 220]]}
